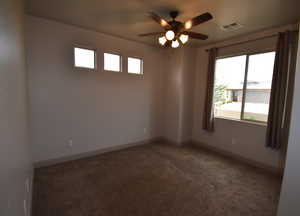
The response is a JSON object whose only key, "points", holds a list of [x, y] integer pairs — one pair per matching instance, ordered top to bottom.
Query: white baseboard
{"points": [[168, 141], [192, 142], [51, 162], [268, 168]]}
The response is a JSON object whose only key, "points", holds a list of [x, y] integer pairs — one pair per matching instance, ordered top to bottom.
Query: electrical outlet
{"points": [[145, 130], [70, 143]]}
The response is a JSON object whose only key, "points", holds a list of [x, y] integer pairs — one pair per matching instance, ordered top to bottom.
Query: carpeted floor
{"points": [[155, 180]]}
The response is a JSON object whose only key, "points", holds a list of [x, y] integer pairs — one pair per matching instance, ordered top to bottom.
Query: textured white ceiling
{"points": [[128, 18]]}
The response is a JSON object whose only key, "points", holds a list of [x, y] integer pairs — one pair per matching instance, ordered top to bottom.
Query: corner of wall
{"points": [[178, 97]]}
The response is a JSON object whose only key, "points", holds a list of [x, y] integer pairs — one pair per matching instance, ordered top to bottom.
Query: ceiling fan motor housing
{"points": [[174, 14], [175, 25]]}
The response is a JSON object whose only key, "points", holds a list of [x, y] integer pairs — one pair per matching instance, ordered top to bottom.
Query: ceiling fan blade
{"points": [[160, 20], [197, 20], [151, 34], [196, 35]]}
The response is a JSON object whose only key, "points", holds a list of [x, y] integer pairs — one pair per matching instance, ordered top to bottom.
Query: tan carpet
{"points": [[155, 180]]}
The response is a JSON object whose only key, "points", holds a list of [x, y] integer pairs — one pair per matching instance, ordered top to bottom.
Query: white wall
{"points": [[97, 110], [245, 140], [15, 162], [290, 192]]}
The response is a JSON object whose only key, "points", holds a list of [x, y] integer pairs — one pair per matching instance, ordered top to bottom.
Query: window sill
{"points": [[85, 69], [112, 71], [136, 74], [243, 121]]}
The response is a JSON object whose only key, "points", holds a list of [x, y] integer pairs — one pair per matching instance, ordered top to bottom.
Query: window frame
{"points": [[95, 50], [247, 54], [120, 62], [141, 65]]}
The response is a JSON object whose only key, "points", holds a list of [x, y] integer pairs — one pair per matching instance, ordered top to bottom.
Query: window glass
{"points": [[84, 58], [112, 62], [135, 65], [228, 88], [258, 90], [232, 98]]}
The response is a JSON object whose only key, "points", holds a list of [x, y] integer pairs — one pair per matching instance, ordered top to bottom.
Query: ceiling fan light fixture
{"points": [[163, 23], [188, 25], [176, 33], [170, 35], [183, 38], [162, 40], [175, 44]]}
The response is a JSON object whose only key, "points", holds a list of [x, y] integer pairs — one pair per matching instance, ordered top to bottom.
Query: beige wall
{"points": [[172, 87], [178, 94], [187, 94], [96, 110], [99, 110], [242, 139], [15, 162], [289, 200]]}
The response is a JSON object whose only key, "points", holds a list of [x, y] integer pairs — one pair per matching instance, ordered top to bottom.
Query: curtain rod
{"points": [[250, 40]]}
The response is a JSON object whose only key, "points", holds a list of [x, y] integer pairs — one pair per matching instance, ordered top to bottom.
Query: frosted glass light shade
{"points": [[170, 35], [184, 38], [162, 40], [175, 44]]}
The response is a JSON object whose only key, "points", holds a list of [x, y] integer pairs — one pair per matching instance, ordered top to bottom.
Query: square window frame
{"points": [[113, 53], [248, 54], [96, 62], [141, 65]]}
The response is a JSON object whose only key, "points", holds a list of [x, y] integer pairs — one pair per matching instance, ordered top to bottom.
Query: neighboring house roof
{"points": [[251, 85]]}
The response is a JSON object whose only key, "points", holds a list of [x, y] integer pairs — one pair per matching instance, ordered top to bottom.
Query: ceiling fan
{"points": [[175, 32]]}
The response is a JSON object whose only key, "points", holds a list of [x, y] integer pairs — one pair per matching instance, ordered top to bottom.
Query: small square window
{"points": [[84, 58], [112, 62], [135, 65]]}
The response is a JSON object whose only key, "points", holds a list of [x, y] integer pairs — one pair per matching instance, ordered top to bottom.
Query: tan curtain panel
{"points": [[282, 90], [208, 114]]}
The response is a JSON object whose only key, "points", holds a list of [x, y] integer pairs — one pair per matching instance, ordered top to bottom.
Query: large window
{"points": [[84, 58], [243, 86]]}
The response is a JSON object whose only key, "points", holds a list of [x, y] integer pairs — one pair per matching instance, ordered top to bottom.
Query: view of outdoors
{"points": [[84, 58], [112, 62], [135, 65], [229, 87]]}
